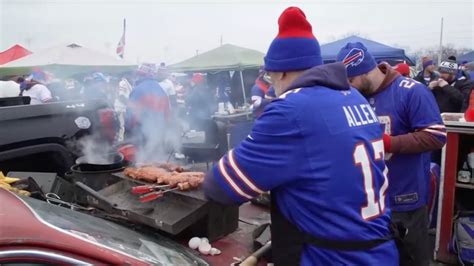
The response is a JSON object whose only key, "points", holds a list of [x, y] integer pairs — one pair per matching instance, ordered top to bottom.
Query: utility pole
{"points": [[222, 39], [28, 42], [440, 43], [197, 52]]}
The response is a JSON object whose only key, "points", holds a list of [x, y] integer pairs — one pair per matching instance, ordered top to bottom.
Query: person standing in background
{"points": [[469, 68], [403, 69], [464, 70], [428, 73], [461, 73], [167, 85], [463, 85], [95, 87], [38, 92], [224, 93], [259, 93], [448, 97], [120, 104], [200, 104], [148, 112]]}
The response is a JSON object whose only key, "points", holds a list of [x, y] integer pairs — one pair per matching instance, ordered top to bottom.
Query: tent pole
{"points": [[243, 86]]}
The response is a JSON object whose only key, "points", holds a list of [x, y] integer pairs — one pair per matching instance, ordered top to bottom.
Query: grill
{"points": [[174, 213]]}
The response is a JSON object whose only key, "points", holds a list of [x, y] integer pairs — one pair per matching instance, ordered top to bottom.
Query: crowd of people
{"points": [[450, 82], [131, 94], [344, 148]]}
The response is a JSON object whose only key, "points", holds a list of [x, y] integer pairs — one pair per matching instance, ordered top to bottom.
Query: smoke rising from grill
{"points": [[157, 138], [95, 150]]}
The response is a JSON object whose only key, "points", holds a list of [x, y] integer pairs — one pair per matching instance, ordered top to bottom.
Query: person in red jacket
{"points": [[403, 69], [260, 93]]}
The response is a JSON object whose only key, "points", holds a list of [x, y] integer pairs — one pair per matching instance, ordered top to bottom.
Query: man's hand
{"points": [[442, 83], [433, 84]]}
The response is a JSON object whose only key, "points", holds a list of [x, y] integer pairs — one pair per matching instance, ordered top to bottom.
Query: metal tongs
{"points": [[147, 188], [151, 192], [54, 199]]}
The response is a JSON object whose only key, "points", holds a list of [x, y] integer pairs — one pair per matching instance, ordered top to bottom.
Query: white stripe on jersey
{"points": [[283, 96], [437, 127], [436, 132], [244, 178], [230, 181]]}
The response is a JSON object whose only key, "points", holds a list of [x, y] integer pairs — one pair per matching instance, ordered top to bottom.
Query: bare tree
{"points": [[433, 52]]}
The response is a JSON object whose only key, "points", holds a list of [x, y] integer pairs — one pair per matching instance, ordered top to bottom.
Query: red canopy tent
{"points": [[13, 53]]}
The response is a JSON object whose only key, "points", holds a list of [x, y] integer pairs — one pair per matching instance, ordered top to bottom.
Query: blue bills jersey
{"points": [[407, 106], [320, 152]]}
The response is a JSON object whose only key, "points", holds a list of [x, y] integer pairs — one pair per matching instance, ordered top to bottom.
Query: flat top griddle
{"points": [[174, 212]]}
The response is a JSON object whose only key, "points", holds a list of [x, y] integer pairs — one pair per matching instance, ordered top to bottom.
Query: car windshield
{"points": [[156, 250]]}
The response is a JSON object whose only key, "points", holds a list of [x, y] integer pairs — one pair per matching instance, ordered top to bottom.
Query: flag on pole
{"points": [[121, 44]]}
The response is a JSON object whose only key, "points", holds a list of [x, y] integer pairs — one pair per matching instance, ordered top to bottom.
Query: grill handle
{"points": [[100, 201]]}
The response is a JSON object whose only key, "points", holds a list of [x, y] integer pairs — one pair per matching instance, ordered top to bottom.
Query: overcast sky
{"points": [[171, 31]]}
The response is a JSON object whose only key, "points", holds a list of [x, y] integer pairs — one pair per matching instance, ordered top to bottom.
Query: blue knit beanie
{"points": [[295, 47], [357, 59]]}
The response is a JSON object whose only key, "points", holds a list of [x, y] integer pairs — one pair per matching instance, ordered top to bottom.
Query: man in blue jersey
{"points": [[260, 93], [147, 116], [413, 128], [318, 148]]}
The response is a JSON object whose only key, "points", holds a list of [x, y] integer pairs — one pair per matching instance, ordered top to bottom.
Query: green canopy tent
{"points": [[227, 57], [65, 61]]}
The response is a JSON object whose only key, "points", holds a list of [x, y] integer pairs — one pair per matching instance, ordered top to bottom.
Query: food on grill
{"points": [[131, 172], [146, 173], [193, 178], [182, 180], [184, 186]]}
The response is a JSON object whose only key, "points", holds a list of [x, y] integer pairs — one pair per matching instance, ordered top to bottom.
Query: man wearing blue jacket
{"points": [[260, 93], [148, 113], [318, 148]]}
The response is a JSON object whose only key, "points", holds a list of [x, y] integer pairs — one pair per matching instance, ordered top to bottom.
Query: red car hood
{"points": [[21, 226]]}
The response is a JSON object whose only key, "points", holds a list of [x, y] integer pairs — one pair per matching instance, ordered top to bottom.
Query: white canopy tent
{"points": [[66, 60]]}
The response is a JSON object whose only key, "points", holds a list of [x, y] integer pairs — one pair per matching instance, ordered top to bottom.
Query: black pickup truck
{"points": [[42, 138]]}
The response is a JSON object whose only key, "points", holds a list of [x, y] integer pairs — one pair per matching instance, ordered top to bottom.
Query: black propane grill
{"points": [[173, 213]]}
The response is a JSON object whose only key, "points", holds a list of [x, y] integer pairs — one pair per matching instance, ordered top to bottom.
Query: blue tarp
{"points": [[378, 50], [469, 57]]}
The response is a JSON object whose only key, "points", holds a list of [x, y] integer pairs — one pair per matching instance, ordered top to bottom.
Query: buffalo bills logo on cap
{"points": [[354, 57]]}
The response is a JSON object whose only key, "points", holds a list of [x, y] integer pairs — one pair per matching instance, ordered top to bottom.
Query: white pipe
{"points": [[243, 86]]}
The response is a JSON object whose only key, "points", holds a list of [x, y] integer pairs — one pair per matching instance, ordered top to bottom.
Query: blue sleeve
{"points": [[257, 91], [271, 92], [136, 93], [265, 102], [423, 112], [130, 116], [269, 157], [213, 191]]}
